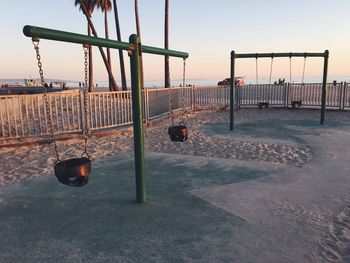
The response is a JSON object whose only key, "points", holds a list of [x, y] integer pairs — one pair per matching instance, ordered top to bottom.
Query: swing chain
{"points": [[40, 65], [290, 68], [256, 70], [271, 70], [184, 74], [303, 77], [183, 88], [46, 98], [170, 102], [170, 106], [86, 130]]}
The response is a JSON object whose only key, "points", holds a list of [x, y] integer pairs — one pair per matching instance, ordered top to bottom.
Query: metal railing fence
{"points": [[253, 94], [310, 94], [338, 95], [345, 96], [158, 101], [109, 109], [24, 116]]}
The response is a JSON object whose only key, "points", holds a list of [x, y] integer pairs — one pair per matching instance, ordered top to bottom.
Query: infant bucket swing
{"points": [[178, 133], [72, 172]]}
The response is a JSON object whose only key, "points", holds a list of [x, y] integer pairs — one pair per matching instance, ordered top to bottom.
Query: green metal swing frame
{"points": [[135, 50], [235, 56]]}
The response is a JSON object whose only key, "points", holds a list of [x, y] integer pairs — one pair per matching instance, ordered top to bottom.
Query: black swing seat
{"points": [[296, 103], [263, 104], [178, 133], [73, 172]]}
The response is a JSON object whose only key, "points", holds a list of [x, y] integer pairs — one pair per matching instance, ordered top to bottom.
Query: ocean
{"points": [[101, 85]]}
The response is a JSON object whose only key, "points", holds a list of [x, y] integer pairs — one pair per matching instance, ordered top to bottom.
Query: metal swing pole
{"points": [[135, 48], [325, 55], [324, 86], [136, 89], [232, 90]]}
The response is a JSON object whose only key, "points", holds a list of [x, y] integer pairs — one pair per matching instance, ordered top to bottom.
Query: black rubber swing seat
{"points": [[296, 103], [263, 104], [178, 133], [73, 172]]}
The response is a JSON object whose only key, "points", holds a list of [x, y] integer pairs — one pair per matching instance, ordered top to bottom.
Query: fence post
{"points": [[324, 87], [232, 91], [340, 94], [344, 94], [239, 96], [217, 97], [236, 97], [286, 97], [184, 98], [146, 102], [193, 104], [81, 113]]}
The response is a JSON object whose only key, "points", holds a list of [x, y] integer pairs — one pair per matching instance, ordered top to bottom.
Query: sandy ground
{"points": [[27, 162], [304, 192]]}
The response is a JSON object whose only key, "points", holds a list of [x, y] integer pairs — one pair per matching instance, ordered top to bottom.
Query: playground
{"points": [[175, 136], [231, 184], [274, 190]]}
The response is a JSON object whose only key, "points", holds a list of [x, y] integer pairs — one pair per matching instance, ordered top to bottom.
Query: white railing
{"points": [[157, 101], [109, 109], [24, 116]]}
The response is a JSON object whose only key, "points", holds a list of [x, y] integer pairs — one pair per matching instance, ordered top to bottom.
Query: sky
{"points": [[208, 30]]}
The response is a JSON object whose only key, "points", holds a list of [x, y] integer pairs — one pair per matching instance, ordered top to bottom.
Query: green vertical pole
{"points": [[232, 85], [324, 86], [136, 89]]}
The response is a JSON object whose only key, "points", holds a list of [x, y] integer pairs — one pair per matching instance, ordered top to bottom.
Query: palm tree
{"points": [[90, 6], [106, 6], [83, 7], [138, 31], [119, 38], [166, 46]]}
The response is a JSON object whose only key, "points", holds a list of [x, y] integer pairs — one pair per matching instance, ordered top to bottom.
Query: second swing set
{"points": [[235, 56], [296, 102]]}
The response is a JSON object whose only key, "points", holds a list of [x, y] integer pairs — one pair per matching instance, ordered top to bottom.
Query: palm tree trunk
{"points": [[138, 31], [119, 38], [166, 46], [100, 48], [91, 68], [111, 88]]}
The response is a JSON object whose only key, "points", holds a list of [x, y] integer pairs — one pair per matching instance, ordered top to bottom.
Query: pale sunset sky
{"points": [[208, 30]]}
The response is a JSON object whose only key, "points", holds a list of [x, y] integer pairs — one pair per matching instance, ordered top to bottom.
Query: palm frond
{"points": [[89, 4], [104, 5]]}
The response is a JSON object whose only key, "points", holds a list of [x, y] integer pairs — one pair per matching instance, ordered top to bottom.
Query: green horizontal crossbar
{"points": [[51, 34], [279, 55]]}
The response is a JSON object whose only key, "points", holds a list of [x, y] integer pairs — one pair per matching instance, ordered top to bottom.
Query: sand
{"points": [[26, 162]]}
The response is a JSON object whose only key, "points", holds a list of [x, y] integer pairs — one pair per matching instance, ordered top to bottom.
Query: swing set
{"points": [[265, 104], [178, 133], [74, 172]]}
